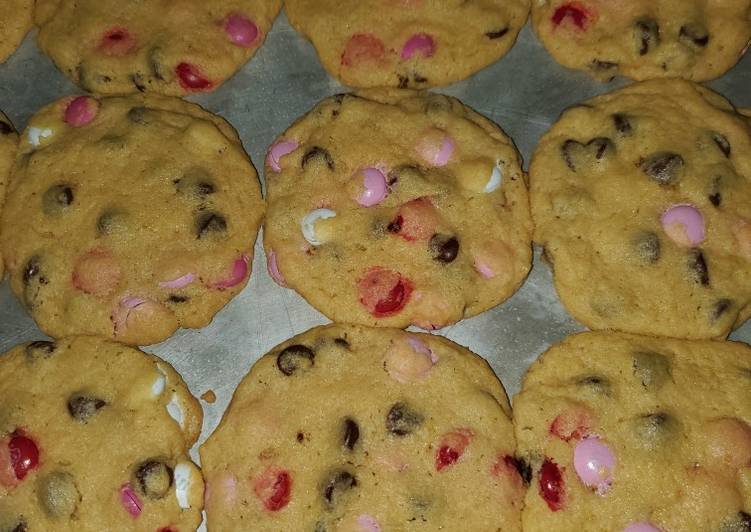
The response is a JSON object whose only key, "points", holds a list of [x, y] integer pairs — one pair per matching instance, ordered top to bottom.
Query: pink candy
{"points": [[241, 30], [419, 43], [81, 110], [436, 147], [277, 151], [376, 188], [684, 224], [273, 269], [239, 272], [179, 282], [409, 361], [594, 463], [130, 500], [368, 523], [641, 526]]}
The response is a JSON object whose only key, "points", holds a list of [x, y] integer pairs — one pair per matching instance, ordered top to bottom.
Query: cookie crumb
{"points": [[209, 396]]}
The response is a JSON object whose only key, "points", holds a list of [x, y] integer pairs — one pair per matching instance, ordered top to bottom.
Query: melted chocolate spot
{"points": [[496, 34], [647, 34], [694, 34], [622, 124], [722, 143], [316, 154], [663, 167], [210, 223], [443, 248], [697, 266], [39, 350], [295, 358], [83, 407], [402, 420], [351, 433], [153, 479], [338, 484]]}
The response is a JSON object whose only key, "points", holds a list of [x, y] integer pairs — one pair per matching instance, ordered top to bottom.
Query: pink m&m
{"points": [[241, 30], [420, 44], [81, 110], [435, 147], [277, 151], [375, 187], [684, 224], [273, 269], [236, 276], [178, 282], [409, 361], [594, 463], [130, 501], [368, 523], [641, 526]]}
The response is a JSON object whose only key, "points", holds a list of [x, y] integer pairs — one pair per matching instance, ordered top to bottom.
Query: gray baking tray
{"points": [[524, 93]]}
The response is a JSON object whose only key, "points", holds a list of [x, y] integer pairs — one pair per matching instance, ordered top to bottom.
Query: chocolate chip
{"points": [[496, 34], [646, 34], [694, 34], [155, 63], [602, 66], [418, 78], [137, 81], [403, 81], [140, 115], [622, 124], [6, 128], [722, 143], [316, 154], [578, 155], [663, 167], [195, 184], [56, 199], [715, 199], [111, 221], [210, 223], [395, 225], [647, 246], [443, 248], [697, 267], [32, 269], [33, 280], [175, 298], [720, 308], [341, 342], [39, 350], [294, 358], [652, 369], [599, 385], [83, 407], [402, 420], [656, 429], [351, 433], [300, 437], [524, 469], [152, 479], [338, 484], [58, 495], [741, 522], [17, 525]]}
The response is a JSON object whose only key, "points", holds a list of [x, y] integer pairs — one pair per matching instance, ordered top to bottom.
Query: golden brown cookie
{"points": [[15, 22], [643, 39], [407, 43], [165, 46], [8, 147], [642, 199], [393, 207], [129, 217], [348, 428], [637, 434], [94, 436]]}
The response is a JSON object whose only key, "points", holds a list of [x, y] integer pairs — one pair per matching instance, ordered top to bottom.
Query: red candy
{"points": [[577, 12], [117, 41], [363, 48], [191, 77], [384, 292], [572, 424], [452, 447], [24, 454], [507, 464], [274, 488], [552, 489], [167, 529]]}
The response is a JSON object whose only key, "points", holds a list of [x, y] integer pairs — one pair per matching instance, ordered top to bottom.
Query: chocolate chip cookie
{"points": [[15, 22], [643, 39], [407, 43], [174, 48], [8, 146], [642, 199], [393, 207], [129, 217], [350, 428], [637, 434], [94, 436]]}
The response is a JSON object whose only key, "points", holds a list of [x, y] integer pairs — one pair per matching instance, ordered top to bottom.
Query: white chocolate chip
{"points": [[36, 135], [495, 178], [309, 224], [159, 383], [175, 410], [183, 480]]}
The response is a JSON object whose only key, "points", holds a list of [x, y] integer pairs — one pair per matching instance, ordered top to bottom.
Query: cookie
{"points": [[15, 22], [644, 39], [407, 43], [173, 48], [8, 146], [641, 199], [392, 207], [129, 217], [346, 427], [637, 434], [100, 449]]}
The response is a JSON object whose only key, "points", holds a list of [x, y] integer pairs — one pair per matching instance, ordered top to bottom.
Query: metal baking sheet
{"points": [[524, 93]]}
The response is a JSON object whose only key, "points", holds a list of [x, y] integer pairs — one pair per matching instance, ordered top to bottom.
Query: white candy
{"points": [[36, 135], [495, 178], [308, 224], [161, 381], [175, 410], [183, 480]]}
